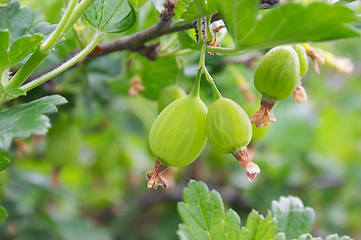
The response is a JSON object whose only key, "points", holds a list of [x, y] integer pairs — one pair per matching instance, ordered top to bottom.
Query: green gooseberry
{"points": [[302, 57], [276, 78], [300, 94], [229, 130], [177, 136]]}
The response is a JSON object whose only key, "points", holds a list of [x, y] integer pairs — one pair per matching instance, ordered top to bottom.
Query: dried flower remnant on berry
{"points": [[315, 57], [340, 64], [300, 94], [264, 116], [249, 167], [155, 178]]}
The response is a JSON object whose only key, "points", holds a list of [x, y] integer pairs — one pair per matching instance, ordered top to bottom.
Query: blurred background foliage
{"points": [[86, 178]]}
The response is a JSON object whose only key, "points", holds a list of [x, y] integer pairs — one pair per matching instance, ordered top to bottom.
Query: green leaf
{"points": [[136, 4], [181, 6], [197, 9], [111, 16], [238, 16], [17, 20], [286, 23], [43, 28], [18, 38], [186, 41], [4, 45], [22, 47], [18, 50], [155, 75], [14, 92], [27, 119], [4, 161], [3, 215], [203, 215], [292, 217], [259, 228]]}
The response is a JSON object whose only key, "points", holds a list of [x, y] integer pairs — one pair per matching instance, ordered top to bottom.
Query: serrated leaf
{"points": [[199, 8], [111, 16], [17, 20], [286, 23], [43, 28], [19, 38], [22, 47], [18, 50], [15, 92], [27, 119], [4, 161], [3, 215], [203, 215], [292, 217], [258, 228]]}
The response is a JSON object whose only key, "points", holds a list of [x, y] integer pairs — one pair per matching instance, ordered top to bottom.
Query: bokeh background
{"points": [[86, 178]]}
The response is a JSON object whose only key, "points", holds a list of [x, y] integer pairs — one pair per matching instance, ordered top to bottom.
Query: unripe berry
{"points": [[302, 57], [277, 74], [276, 78], [229, 130], [177, 136]]}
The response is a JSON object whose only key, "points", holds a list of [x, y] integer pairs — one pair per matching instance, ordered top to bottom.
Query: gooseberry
{"points": [[276, 78], [229, 130], [177, 137]]}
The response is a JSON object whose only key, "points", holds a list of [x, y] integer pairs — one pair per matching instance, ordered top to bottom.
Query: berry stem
{"points": [[209, 78]]}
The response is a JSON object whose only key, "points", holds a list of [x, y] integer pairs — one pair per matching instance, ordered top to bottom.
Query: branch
{"points": [[136, 41]]}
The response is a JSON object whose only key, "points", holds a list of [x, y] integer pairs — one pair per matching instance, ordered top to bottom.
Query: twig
{"points": [[136, 41]]}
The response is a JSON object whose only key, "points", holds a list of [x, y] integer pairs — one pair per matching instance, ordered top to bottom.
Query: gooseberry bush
{"points": [[160, 41]]}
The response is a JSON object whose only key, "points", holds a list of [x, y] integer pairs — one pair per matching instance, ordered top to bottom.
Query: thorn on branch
{"points": [[168, 12], [150, 51]]}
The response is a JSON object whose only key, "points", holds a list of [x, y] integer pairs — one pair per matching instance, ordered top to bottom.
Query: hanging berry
{"points": [[276, 78], [229, 130], [178, 136]]}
